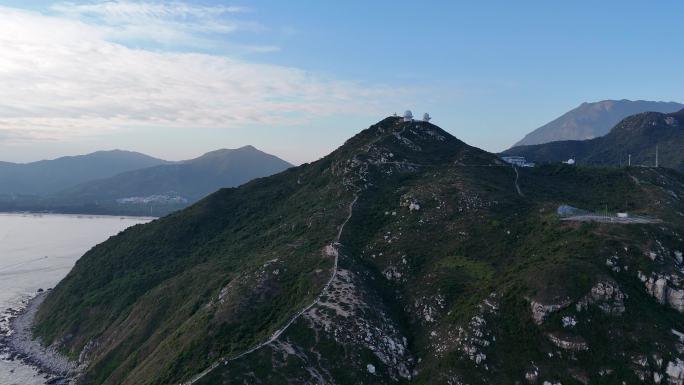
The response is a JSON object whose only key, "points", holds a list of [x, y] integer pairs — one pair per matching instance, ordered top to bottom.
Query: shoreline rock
{"points": [[17, 344]]}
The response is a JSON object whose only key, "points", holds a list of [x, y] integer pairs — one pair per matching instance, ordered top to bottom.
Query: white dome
{"points": [[408, 116], [426, 117]]}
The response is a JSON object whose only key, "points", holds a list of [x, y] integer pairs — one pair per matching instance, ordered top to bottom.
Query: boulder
{"points": [[675, 372]]}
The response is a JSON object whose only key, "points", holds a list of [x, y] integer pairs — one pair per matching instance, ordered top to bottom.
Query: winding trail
{"points": [[517, 176], [335, 252], [279, 332]]}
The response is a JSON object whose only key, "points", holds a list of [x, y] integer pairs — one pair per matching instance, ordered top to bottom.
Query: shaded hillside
{"points": [[592, 120], [637, 135], [49, 176], [156, 190], [405, 256]]}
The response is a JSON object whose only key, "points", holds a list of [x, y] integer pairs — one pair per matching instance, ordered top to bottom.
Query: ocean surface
{"points": [[37, 251]]}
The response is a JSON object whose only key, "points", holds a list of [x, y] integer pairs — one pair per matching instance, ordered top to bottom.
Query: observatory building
{"points": [[408, 116], [426, 117], [519, 161]]}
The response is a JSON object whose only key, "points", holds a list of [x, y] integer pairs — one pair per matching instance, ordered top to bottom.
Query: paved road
{"points": [[605, 219]]}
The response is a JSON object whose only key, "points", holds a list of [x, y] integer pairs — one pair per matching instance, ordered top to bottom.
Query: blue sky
{"points": [[297, 78]]}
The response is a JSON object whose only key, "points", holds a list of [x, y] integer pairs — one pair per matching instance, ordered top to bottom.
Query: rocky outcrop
{"points": [[665, 290], [607, 296], [676, 299], [541, 310], [345, 314], [17, 342], [573, 343], [675, 372], [532, 374]]}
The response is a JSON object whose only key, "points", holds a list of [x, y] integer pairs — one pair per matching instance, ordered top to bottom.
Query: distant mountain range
{"points": [[592, 120], [636, 135], [50, 176], [156, 188]]}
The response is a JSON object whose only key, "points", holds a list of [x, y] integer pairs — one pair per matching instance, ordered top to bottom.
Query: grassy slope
{"points": [[518, 249], [151, 284], [149, 297]]}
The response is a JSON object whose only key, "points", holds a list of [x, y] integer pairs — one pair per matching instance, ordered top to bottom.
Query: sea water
{"points": [[36, 251]]}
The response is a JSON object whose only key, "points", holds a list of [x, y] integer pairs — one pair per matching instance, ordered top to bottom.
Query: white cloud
{"points": [[167, 23], [61, 77]]}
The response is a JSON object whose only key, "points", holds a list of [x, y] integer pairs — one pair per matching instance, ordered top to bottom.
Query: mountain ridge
{"points": [[592, 120], [637, 135], [48, 176], [190, 179], [156, 189], [444, 274]]}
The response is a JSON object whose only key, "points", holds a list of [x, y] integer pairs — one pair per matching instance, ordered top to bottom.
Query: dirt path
{"points": [[517, 187], [608, 219], [333, 251]]}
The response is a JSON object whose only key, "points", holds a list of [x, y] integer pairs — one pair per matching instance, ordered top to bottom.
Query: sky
{"points": [[175, 79]]}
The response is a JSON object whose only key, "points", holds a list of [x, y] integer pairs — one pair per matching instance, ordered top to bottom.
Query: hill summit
{"points": [[593, 120], [635, 139], [404, 256]]}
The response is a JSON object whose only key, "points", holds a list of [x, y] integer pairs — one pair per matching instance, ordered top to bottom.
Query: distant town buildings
{"points": [[519, 161]]}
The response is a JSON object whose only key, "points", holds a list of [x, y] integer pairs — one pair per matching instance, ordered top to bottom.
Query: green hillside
{"points": [[405, 256]]}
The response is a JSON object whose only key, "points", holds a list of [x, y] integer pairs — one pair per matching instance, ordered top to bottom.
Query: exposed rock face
{"points": [[663, 289], [660, 290], [607, 296], [676, 299], [540, 310], [339, 314], [569, 322], [473, 338], [573, 343], [675, 372], [532, 375], [657, 378]]}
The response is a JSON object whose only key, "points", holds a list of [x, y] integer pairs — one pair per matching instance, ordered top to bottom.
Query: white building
{"points": [[408, 116], [426, 117], [519, 161], [569, 161]]}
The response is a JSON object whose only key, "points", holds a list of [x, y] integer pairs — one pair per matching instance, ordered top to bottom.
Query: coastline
{"points": [[75, 215], [17, 344]]}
